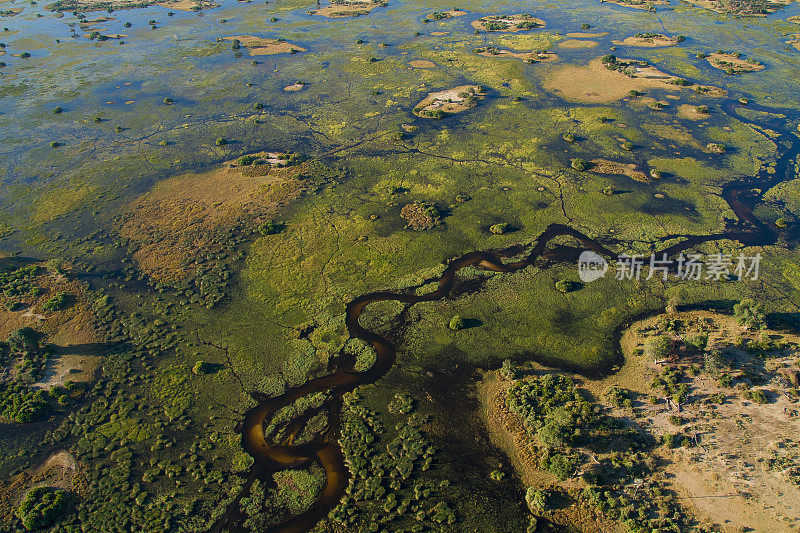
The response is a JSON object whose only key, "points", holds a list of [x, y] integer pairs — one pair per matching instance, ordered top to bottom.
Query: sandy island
{"points": [[648, 5], [82, 6], [348, 8], [750, 9], [444, 15], [509, 23], [650, 40], [577, 44], [266, 47], [528, 57], [422, 63], [732, 63], [595, 83], [295, 87], [440, 104], [692, 112], [604, 166]]}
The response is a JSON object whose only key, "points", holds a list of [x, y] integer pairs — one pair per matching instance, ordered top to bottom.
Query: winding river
{"points": [[325, 449]]}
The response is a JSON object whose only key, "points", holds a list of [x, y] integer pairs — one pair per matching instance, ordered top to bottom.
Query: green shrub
{"points": [[579, 164], [271, 227], [498, 229], [566, 286], [58, 302], [749, 313], [457, 323], [202, 367], [41, 507]]}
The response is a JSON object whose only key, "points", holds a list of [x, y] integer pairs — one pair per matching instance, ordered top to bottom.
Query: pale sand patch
{"points": [[795, 19], [508, 23], [440, 33], [582, 35], [794, 40], [648, 42], [576, 44], [266, 47], [726, 60], [422, 63], [594, 83], [299, 86], [690, 112], [604, 166], [76, 356]]}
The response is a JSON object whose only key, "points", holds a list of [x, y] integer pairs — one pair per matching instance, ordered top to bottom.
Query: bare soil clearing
{"points": [[745, 448]]}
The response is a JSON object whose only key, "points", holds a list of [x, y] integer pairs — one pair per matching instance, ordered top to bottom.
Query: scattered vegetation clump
{"points": [[579, 164], [421, 215], [271, 227], [499, 228], [565, 286], [58, 302], [750, 314], [457, 323], [363, 353], [553, 408], [385, 489], [41, 507]]}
